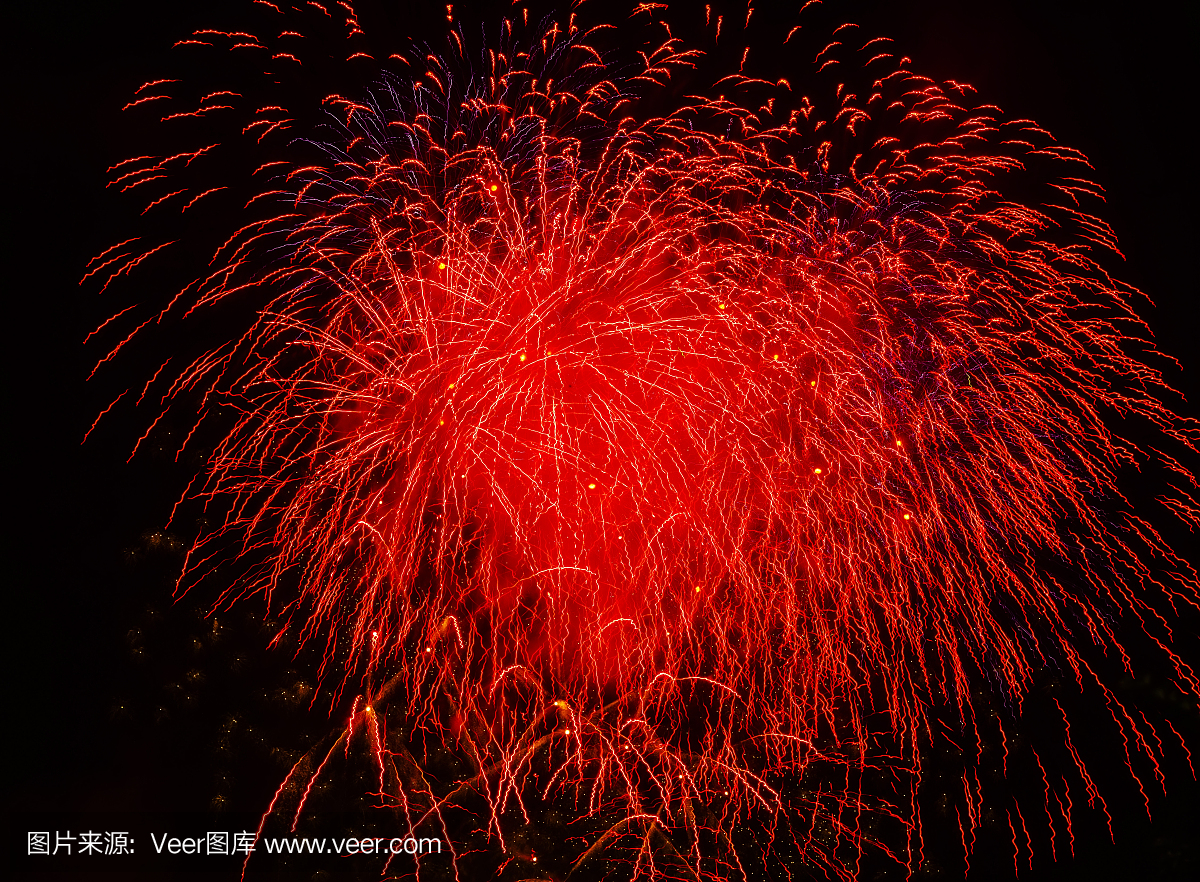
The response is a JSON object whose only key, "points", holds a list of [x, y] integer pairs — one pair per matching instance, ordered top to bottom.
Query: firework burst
{"points": [[657, 435]]}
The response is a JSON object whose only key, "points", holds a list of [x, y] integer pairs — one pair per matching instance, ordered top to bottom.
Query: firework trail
{"points": [[651, 431]]}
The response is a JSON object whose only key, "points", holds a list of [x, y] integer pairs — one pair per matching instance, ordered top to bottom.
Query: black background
{"points": [[96, 644]]}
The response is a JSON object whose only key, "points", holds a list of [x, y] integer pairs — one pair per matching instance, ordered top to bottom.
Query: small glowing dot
{"points": [[493, 188], [441, 266], [720, 306], [522, 356], [775, 356], [812, 382], [451, 385], [441, 422], [899, 443], [816, 471], [591, 486], [907, 517], [699, 587], [429, 649], [370, 709], [566, 731]]}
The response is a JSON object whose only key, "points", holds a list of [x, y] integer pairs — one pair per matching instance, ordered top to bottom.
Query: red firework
{"points": [[696, 440]]}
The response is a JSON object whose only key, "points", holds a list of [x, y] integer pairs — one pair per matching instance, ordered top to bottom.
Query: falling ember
{"points": [[455, 521]]}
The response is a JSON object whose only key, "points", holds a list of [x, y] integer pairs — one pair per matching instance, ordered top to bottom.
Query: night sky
{"points": [[121, 699]]}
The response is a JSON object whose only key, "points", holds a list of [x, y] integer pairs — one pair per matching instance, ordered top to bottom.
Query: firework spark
{"points": [[661, 445]]}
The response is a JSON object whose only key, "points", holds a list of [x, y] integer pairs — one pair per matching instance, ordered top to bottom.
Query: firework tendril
{"points": [[652, 434]]}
